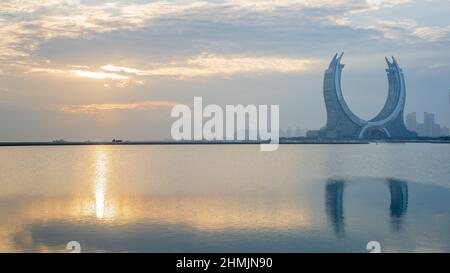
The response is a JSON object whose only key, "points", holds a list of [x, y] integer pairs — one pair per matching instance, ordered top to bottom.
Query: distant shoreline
{"points": [[163, 143]]}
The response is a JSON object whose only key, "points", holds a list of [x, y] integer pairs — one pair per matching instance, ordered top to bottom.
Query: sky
{"points": [[98, 69]]}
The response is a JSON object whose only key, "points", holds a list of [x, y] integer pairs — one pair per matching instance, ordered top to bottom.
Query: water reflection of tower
{"points": [[334, 199], [399, 201], [335, 204]]}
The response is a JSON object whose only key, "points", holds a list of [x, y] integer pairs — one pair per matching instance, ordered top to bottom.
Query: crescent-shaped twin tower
{"points": [[343, 123]]}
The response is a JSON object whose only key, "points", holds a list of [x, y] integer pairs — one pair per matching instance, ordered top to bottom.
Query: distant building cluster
{"points": [[429, 127], [290, 133]]}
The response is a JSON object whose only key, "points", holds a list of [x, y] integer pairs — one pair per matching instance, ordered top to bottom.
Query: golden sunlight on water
{"points": [[101, 169], [101, 199], [204, 213]]}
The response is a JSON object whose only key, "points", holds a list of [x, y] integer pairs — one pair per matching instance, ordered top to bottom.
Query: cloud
{"points": [[379, 4], [25, 24], [409, 31], [432, 34], [204, 65], [212, 65], [439, 65], [99, 75], [122, 80], [96, 108]]}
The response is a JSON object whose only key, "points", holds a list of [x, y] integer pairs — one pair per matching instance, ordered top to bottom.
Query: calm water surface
{"points": [[314, 198]]}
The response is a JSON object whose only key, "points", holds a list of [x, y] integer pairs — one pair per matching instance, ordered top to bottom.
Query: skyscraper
{"points": [[411, 121], [343, 123], [429, 124], [429, 127], [445, 131], [289, 132]]}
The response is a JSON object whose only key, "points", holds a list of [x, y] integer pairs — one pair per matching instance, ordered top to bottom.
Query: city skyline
{"points": [[97, 69], [428, 128]]}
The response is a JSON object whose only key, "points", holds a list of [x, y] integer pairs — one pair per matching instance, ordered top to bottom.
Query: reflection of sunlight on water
{"points": [[101, 171], [100, 203], [205, 213]]}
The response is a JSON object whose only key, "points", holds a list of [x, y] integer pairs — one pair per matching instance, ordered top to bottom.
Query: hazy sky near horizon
{"points": [[98, 69]]}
